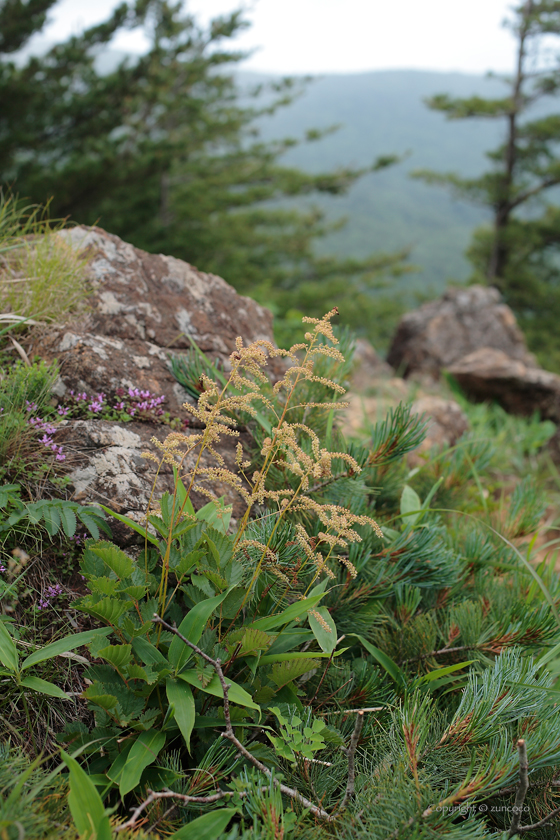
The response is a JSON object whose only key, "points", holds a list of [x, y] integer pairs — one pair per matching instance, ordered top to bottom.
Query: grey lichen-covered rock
{"points": [[142, 308], [443, 331], [490, 374], [106, 465]]}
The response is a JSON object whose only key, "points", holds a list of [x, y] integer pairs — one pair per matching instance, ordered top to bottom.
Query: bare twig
{"points": [[365, 709], [230, 734], [351, 753], [521, 788], [181, 797], [523, 828]]}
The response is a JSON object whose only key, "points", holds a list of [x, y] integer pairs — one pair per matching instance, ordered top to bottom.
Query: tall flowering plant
{"points": [[236, 590]]}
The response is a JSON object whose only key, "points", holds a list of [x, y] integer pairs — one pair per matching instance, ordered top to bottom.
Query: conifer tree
{"points": [[164, 152], [519, 253]]}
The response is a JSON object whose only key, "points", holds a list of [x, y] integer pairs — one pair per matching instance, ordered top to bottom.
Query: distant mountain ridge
{"points": [[383, 112]]}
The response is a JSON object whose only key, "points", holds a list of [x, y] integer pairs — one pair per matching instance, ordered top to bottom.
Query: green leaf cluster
{"points": [[54, 515], [440, 630]]}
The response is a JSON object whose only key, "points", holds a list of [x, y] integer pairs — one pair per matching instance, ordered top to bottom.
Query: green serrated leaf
{"points": [[68, 518], [51, 519], [89, 522], [187, 561], [119, 562], [214, 577], [103, 585], [134, 592], [108, 609], [249, 642], [117, 655], [137, 672], [95, 694]]}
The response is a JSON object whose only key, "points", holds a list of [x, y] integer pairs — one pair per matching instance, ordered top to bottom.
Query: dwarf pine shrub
{"points": [[347, 656]]}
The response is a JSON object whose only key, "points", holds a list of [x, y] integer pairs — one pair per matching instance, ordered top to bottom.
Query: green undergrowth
{"points": [[421, 601]]}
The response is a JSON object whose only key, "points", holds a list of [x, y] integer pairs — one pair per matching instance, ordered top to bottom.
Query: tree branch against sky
{"points": [[520, 253]]}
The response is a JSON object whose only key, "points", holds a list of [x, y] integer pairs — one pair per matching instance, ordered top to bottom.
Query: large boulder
{"points": [[142, 308], [443, 331], [520, 388]]}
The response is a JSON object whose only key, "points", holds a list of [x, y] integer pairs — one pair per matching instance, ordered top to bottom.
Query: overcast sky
{"points": [[342, 36]]}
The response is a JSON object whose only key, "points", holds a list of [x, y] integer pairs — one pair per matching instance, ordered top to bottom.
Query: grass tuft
{"points": [[41, 276]]}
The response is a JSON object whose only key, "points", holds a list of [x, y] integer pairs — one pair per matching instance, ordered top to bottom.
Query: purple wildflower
{"points": [[63, 411], [49, 594]]}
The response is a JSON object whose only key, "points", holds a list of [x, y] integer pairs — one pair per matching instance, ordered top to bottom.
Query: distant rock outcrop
{"points": [[142, 307], [439, 333], [368, 366], [489, 374], [446, 422]]}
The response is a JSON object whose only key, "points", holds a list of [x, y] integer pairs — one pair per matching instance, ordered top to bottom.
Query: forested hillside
{"points": [[383, 112]]}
